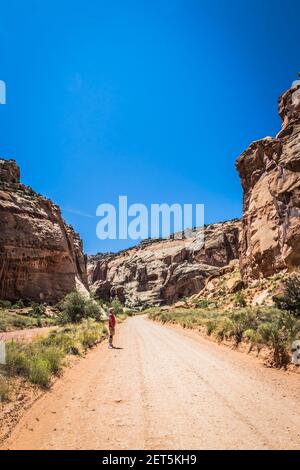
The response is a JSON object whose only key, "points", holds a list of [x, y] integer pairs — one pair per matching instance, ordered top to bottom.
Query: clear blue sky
{"points": [[152, 99]]}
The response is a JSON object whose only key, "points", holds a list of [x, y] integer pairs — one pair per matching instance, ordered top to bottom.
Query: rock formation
{"points": [[270, 175], [41, 257], [161, 271]]}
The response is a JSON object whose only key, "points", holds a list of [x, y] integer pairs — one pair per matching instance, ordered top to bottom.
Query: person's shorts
{"points": [[111, 331]]}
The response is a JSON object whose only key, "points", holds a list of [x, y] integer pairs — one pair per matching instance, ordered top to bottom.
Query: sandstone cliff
{"points": [[270, 175], [41, 257], [161, 271]]}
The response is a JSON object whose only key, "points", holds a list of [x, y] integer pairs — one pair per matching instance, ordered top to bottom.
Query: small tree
{"points": [[290, 300], [74, 307]]}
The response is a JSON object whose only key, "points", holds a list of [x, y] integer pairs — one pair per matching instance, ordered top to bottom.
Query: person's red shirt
{"points": [[111, 320]]}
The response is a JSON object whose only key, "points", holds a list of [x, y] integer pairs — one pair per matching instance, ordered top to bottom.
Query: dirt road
{"points": [[26, 334], [164, 389]]}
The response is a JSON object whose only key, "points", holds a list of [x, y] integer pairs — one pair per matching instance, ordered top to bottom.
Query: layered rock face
{"points": [[270, 175], [41, 257], [161, 271]]}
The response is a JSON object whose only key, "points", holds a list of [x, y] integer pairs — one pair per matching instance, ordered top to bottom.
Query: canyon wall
{"points": [[270, 176], [41, 257], [161, 271]]}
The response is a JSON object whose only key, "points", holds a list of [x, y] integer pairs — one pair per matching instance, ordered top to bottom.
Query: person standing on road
{"points": [[111, 327]]}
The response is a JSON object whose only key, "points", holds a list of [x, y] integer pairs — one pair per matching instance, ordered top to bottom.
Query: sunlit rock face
{"points": [[270, 176], [41, 257], [161, 271]]}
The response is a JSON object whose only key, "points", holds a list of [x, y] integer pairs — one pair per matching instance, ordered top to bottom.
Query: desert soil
{"points": [[26, 334], [164, 388]]}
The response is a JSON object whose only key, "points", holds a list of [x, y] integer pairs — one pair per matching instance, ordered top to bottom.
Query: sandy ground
{"points": [[26, 334], [164, 389]]}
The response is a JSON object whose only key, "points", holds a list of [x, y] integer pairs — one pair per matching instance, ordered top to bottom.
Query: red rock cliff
{"points": [[270, 175], [41, 257]]}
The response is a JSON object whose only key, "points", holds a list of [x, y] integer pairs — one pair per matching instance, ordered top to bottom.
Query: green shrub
{"points": [[239, 299], [290, 300], [201, 303], [5, 304], [18, 304], [117, 306], [76, 307], [92, 309], [37, 310], [242, 320], [211, 325], [224, 329], [279, 334], [88, 338], [255, 339], [65, 340], [43, 357], [54, 357], [17, 358], [39, 371]]}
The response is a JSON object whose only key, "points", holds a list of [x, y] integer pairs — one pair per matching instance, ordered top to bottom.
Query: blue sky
{"points": [[151, 99]]}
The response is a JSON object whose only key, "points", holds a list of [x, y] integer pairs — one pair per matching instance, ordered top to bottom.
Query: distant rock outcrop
{"points": [[270, 175], [41, 257], [161, 271]]}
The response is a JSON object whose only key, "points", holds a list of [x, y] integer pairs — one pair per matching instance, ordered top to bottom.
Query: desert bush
{"points": [[239, 299], [290, 300], [204, 303], [5, 304], [18, 304], [117, 306], [75, 308], [92, 309], [37, 310], [242, 320], [13, 321], [211, 325], [225, 328], [279, 334], [88, 338], [254, 338], [65, 340], [43, 357], [54, 357], [17, 358], [39, 371]]}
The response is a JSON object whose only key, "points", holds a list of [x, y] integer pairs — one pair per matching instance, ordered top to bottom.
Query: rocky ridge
{"points": [[161, 271]]}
